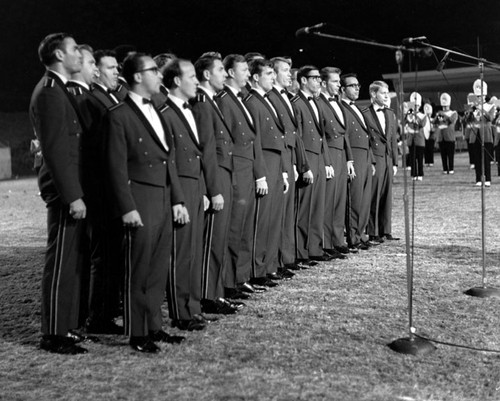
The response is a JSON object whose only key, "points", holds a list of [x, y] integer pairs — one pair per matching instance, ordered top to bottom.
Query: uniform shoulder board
{"points": [[49, 82], [119, 88], [75, 90], [221, 94], [200, 97], [247, 97], [295, 98], [116, 106], [164, 107], [365, 109]]}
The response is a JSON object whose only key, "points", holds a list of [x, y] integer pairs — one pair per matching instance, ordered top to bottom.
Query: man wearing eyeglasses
{"points": [[360, 186], [312, 188], [147, 196]]}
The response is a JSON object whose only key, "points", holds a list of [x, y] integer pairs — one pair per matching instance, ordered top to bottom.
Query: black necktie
{"points": [[146, 101], [186, 105]]}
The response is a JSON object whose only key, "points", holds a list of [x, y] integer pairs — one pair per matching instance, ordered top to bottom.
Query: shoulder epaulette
{"points": [[49, 82], [119, 88], [75, 90], [221, 94], [200, 97], [247, 97], [295, 98], [116, 106], [164, 107], [365, 109]]}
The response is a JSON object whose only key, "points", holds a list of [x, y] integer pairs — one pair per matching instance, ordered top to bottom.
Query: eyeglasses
{"points": [[155, 70], [316, 78], [357, 86]]}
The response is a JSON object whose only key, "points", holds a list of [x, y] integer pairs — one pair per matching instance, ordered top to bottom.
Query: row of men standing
{"points": [[210, 193]]}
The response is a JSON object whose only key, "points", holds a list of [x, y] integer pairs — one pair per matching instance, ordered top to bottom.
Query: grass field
{"points": [[321, 336]]}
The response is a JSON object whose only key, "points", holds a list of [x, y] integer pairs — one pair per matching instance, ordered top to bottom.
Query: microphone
{"points": [[309, 29], [410, 41], [441, 64]]}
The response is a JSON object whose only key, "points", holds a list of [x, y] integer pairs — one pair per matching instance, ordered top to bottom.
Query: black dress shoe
{"points": [[389, 237], [376, 238], [371, 243], [362, 246], [342, 249], [334, 254], [321, 258], [307, 262], [292, 266], [285, 273], [274, 276], [263, 281], [250, 289], [234, 293], [236, 304], [219, 307], [189, 325], [103, 327], [161, 336], [78, 338], [144, 344], [61, 345]]}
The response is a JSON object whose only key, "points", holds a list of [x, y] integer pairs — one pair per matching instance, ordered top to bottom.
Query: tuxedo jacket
{"points": [[121, 89], [103, 96], [160, 98], [54, 117], [267, 122], [212, 123], [291, 127], [335, 128], [356, 129], [311, 130], [245, 139], [382, 139], [135, 153]]}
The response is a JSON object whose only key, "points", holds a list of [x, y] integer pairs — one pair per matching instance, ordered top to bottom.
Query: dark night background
{"points": [[190, 27]]}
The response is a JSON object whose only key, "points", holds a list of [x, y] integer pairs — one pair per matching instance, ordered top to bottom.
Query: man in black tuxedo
{"points": [[106, 81], [336, 121], [57, 125], [381, 126], [360, 187], [312, 188], [147, 196]]}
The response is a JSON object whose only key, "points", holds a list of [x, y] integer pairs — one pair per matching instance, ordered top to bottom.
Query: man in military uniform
{"points": [[57, 126]]}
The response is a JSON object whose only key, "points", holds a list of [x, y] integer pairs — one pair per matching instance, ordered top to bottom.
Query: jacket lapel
{"points": [[184, 121]]}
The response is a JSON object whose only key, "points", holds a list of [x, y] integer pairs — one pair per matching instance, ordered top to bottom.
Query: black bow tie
{"points": [[110, 91], [283, 91], [240, 95], [266, 95], [310, 98], [331, 99], [146, 101], [351, 103], [186, 105], [380, 110]]}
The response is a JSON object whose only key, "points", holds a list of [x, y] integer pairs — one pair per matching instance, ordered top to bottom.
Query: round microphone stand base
{"points": [[483, 292], [412, 346]]}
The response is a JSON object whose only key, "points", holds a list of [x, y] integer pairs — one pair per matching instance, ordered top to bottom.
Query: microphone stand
{"points": [[483, 291], [412, 344]]}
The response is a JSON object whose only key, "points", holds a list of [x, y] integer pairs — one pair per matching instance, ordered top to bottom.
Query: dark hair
{"points": [[49, 45], [101, 53], [253, 55], [163, 59], [231, 59], [277, 60], [204, 63], [132, 64], [257, 66], [173, 70], [304, 71], [326, 71], [345, 76]]}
